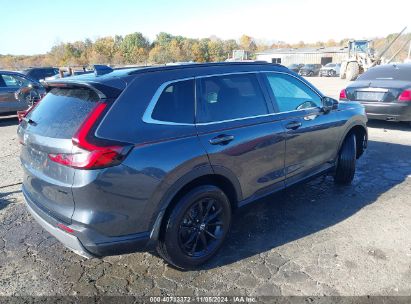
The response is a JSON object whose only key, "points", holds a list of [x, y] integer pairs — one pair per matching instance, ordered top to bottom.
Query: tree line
{"points": [[132, 49], [136, 49]]}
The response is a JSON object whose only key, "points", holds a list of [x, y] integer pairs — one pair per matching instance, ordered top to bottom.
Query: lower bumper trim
{"points": [[70, 241]]}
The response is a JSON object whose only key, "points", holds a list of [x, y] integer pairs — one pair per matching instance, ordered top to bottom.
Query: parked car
{"points": [[295, 67], [310, 70], [330, 70], [40, 73], [384, 91], [17, 92], [107, 173]]}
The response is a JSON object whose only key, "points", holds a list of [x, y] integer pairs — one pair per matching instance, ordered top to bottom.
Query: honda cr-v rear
{"points": [[126, 160]]}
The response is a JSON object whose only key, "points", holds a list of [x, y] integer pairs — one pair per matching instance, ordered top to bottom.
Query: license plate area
{"points": [[370, 96]]}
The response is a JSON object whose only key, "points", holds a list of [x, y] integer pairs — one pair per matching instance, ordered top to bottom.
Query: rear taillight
{"points": [[343, 95], [405, 96], [90, 155], [84, 159]]}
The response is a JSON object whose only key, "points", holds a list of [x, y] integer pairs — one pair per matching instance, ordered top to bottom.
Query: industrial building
{"points": [[321, 55]]}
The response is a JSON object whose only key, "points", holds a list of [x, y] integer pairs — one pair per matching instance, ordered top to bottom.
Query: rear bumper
{"points": [[393, 111], [50, 225], [81, 243]]}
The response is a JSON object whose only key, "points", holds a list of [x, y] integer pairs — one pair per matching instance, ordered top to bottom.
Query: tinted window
{"points": [[49, 72], [388, 72], [35, 74], [13, 81], [291, 94], [231, 97], [176, 103], [62, 111]]}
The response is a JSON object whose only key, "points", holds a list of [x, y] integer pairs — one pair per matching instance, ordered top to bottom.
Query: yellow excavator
{"points": [[362, 56]]}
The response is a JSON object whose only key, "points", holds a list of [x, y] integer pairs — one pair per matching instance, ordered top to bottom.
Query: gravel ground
{"points": [[314, 239]]}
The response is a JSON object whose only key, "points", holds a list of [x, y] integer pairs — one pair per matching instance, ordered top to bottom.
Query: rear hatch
{"points": [[46, 131]]}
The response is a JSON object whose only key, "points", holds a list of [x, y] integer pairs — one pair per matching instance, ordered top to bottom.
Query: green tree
{"points": [[247, 43], [229, 46], [134, 48], [104, 50], [216, 50]]}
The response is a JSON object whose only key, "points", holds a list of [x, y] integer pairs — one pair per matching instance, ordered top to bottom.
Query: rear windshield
{"points": [[388, 73], [61, 112]]}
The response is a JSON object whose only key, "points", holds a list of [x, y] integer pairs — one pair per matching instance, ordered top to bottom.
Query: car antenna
{"points": [[101, 69]]}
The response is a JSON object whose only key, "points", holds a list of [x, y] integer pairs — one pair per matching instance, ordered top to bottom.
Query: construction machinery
{"points": [[240, 55], [362, 56]]}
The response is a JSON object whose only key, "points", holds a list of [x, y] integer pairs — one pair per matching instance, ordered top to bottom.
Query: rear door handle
{"points": [[293, 125], [221, 139]]}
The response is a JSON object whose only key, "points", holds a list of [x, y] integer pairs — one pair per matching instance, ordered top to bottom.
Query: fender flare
{"points": [[348, 129], [184, 180]]}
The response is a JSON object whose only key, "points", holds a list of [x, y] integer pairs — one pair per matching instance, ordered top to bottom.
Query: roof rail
{"points": [[199, 65], [101, 69]]}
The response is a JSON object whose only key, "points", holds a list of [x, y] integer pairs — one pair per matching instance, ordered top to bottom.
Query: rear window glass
{"points": [[390, 72], [176, 103], [62, 111]]}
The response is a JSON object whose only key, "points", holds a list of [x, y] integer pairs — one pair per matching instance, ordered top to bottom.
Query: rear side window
{"points": [[291, 94], [231, 97], [176, 103], [61, 112]]}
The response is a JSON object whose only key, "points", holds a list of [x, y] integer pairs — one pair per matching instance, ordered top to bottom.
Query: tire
{"points": [[343, 70], [353, 70], [331, 73], [345, 170], [186, 227]]}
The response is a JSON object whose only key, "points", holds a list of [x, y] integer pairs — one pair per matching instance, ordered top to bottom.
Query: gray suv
{"points": [[120, 161]]}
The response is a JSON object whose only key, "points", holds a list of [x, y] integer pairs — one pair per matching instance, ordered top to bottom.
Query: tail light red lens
{"points": [[343, 94], [405, 96], [88, 155], [83, 159]]}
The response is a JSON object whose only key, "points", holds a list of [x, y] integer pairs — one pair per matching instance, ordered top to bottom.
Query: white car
{"points": [[330, 70]]}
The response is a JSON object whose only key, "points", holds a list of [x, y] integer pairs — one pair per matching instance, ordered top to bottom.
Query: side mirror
{"points": [[329, 104]]}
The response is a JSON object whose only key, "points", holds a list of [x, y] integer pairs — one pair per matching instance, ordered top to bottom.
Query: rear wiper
{"points": [[30, 121]]}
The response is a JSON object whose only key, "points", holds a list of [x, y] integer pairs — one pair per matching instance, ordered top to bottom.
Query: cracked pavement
{"points": [[313, 239]]}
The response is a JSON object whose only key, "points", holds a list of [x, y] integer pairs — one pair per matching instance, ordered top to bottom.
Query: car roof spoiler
{"points": [[103, 91]]}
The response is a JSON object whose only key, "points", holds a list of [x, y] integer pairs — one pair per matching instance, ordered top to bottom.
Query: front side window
{"points": [[291, 94], [228, 97], [176, 103]]}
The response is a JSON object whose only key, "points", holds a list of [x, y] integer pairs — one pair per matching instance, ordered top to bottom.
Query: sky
{"points": [[33, 27]]}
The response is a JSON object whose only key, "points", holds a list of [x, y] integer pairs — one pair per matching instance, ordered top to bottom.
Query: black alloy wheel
{"points": [[201, 227], [195, 228]]}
